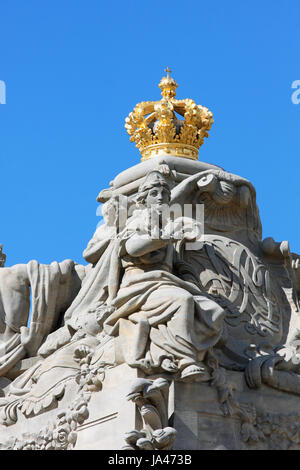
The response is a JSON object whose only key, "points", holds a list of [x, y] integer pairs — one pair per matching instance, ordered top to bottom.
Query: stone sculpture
{"points": [[2, 257], [171, 294], [153, 304]]}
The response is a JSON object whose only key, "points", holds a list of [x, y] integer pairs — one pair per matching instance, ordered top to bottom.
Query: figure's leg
{"points": [[14, 299], [171, 313], [133, 338]]}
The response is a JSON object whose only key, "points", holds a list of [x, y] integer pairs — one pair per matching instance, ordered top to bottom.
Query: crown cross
{"points": [[168, 71]]}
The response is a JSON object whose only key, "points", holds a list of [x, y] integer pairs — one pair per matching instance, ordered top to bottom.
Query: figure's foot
{"points": [[143, 364], [169, 365], [195, 372], [164, 438]]}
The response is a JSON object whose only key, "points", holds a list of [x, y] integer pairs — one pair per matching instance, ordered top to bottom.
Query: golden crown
{"points": [[156, 129]]}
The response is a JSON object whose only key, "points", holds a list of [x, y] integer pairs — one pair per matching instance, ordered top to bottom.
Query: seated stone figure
{"points": [[97, 286], [56, 289], [131, 297], [161, 320], [38, 388]]}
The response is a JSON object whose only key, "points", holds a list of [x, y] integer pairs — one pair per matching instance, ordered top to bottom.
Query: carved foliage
{"points": [[259, 429], [275, 431], [61, 434]]}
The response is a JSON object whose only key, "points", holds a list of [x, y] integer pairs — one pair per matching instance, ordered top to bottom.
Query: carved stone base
{"points": [[131, 412], [110, 414], [260, 419], [97, 420]]}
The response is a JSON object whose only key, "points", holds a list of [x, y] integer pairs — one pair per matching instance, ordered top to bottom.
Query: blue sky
{"points": [[74, 69]]}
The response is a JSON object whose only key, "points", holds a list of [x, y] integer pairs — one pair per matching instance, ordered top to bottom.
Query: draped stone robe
{"points": [[158, 315]]}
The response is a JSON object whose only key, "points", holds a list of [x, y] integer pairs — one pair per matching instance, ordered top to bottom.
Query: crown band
{"points": [[177, 150]]}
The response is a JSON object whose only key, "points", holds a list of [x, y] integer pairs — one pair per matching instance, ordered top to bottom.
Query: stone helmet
{"points": [[153, 179]]}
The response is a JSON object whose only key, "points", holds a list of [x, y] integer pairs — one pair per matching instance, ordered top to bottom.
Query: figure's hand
{"points": [[203, 174], [207, 183], [189, 185], [182, 228], [170, 229], [173, 230], [103, 313], [290, 355]]}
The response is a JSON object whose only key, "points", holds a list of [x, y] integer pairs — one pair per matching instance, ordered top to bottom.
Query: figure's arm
{"points": [[204, 181], [209, 181], [183, 189], [139, 245], [94, 250]]}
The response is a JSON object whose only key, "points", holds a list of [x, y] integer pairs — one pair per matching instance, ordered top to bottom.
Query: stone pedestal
{"points": [[110, 414], [108, 418], [247, 419], [261, 419]]}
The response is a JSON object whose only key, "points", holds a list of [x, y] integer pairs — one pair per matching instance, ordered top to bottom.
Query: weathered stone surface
{"points": [[2, 257], [183, 328], [110, 414], [262, 419]]}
